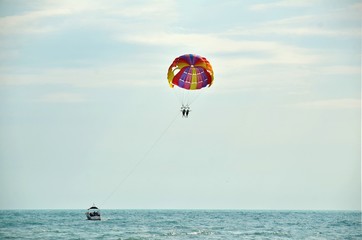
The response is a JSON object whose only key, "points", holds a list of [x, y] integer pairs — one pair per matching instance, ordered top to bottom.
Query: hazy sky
{"points": [[85, 103]]}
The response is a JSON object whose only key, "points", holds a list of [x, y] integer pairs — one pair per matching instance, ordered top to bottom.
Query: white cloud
{"points": [[283, 3], [149, 9], [107, 14], [29, 22], [331, 22], [329, 25], [273, 28], [229, 51], [274, 52], [343, 70], [117, 75], [62, 97], [347, 103]]}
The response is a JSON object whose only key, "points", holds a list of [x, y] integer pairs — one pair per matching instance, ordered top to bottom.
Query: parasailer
{"points": [[190, 72], [185, 110], [188, 110]]}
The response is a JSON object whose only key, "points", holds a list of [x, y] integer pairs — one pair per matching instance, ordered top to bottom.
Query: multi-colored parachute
{"points": [[190, 72]]}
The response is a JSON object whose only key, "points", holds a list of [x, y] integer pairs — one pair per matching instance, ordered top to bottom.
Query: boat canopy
{"points": [[94, 207]]}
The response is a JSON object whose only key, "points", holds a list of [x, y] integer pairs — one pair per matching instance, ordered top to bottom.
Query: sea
{"points": [[180, 224]]}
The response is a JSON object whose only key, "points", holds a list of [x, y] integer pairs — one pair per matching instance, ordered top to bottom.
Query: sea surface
{"points": [[180, 224]]}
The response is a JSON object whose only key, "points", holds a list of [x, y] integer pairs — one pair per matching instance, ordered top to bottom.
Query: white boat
{"points": [[93, 213]]}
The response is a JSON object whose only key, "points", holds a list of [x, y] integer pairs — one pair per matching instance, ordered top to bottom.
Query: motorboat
{"points": [[93, 213]]}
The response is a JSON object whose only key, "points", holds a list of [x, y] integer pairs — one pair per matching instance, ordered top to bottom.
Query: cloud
{"points": [[281, 4], [151, 10], [53, 16], [342, 21], [30, 22], [330, 24], [279, 29], [249, 52], [272, 52], [341, 70], [116, 75], [62, 97], [346, 103]]}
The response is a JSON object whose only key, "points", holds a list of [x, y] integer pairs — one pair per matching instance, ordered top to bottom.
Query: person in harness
{"points": [[185, 110]]}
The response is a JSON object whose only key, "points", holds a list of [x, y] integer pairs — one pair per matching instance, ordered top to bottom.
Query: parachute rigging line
{"points": [[140, 160]]}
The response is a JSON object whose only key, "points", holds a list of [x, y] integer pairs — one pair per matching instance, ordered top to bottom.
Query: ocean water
{"points": [[180, 224]]}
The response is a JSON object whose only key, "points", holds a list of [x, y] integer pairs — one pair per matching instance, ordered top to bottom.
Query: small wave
{"points": [[345, 223], [200, 232], [172, 233], [267, 234], [135, 238]]}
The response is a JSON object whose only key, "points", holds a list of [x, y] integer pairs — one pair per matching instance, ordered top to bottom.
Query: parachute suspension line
{"points": [[180, 96], [188, 96], [185, 97], [196, 97], [140, 160]]}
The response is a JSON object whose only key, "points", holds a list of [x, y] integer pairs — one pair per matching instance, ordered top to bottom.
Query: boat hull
{"points": [[89, 217]]}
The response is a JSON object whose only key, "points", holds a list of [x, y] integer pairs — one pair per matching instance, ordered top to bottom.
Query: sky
{"points": [[87, 115]]}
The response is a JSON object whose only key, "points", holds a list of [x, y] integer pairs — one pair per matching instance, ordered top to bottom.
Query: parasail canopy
{"points": [[190, 72]]}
